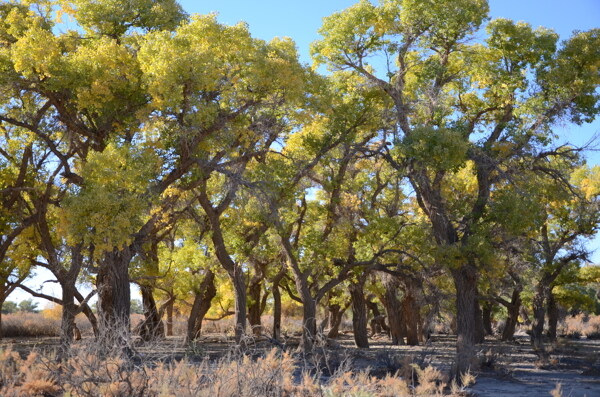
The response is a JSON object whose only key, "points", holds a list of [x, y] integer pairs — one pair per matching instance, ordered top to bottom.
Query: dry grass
{"points": [[29, 325], [38, 325], [580, 325], [275, 373]]}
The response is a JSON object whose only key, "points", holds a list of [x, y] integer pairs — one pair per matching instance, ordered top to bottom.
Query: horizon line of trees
{"points": [[203, 164]]}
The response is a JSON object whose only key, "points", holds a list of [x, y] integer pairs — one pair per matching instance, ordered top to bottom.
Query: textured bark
{"points": [[465, 282], [239, 287], [114, 297], [202, 301], [254, 305], [170, 306], [277, 306], [393, 309], [276, 313], [359, 314], [410, 314], [335, 315], [552, 316], [487, 318], [512, 318], [478, 319], [378, 320], [309, 321], [67, 324], [537, 325], [152, 327]]}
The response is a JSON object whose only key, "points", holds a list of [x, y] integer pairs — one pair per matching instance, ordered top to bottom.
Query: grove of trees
{"points": [[419, 175]]}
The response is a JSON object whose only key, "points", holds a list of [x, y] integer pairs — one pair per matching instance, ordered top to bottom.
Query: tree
{"points": [[482, 107], [28, 306], [9, 307]]}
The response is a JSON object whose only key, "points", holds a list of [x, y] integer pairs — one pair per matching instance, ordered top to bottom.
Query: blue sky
{"points": [[301, 20]]}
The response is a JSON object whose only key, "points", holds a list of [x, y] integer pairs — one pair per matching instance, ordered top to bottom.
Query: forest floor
{"points": [[507, 369]]}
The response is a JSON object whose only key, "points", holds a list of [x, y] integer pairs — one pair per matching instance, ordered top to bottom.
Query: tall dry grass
{"points": [[580, 325], [86, 373]]}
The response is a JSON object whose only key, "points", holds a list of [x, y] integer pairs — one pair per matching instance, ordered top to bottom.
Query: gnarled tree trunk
{"points": [[465, 282], [114, 297], [202, 301], [256, 305], [393, 309], [539, 312], [359, 313], [335, 314], [410, 314], [552, 315], [487, 318], [152, 327], [479, 327]]}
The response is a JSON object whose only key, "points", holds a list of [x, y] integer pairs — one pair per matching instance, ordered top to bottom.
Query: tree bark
{"points": [[465, 282], [239, 286], [114, 297], [202, 301], [170, 306], [254, 306], [276, 309], [393, 309], [336, 314], [359, 314], [410, 314], [513, 316], [552, 316], [487, 318], [309, 321], [378, 321], [67, 325], [537, 325], [152, 327], [479, 327]]}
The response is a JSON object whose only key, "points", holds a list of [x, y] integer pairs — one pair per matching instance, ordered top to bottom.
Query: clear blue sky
{"points": [[301, 20]]}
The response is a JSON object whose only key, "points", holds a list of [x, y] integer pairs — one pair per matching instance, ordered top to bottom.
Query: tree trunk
{"points": [[465, 282], [239, 287], [114, 298], [202, 301], [170, 306], [254, 306], [393, 309], [87, 311], [539, 311], [276, 312], [336, 314], [359, 314], [410, 314], [552, 316], [478, 318], [487, 318], [511, 320], [309, 321], [378, 321], [67, 325], [152, 327]]}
